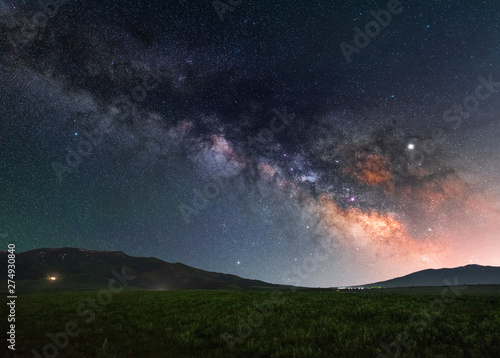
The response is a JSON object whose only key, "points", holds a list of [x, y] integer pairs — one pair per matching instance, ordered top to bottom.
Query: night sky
{"points": [[257, 138]]}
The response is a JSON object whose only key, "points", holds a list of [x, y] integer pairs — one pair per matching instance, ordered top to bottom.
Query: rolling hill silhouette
{"points": [[74, 268], [464, 275]]}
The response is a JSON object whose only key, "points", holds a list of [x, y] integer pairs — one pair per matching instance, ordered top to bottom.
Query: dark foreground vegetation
{"points": [[423, 322]]}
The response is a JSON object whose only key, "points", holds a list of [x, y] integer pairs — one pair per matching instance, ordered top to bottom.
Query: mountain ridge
{"points": [[74, 268], [471, 274]]}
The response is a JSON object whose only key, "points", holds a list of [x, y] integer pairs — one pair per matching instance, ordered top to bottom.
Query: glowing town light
{"points": [[52, 278]]}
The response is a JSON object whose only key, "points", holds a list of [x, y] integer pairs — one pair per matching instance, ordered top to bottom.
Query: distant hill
{"points": [[75, 268], [465, 275]]}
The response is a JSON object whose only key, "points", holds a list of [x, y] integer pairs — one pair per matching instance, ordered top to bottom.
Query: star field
{"points": [[245, 141]]}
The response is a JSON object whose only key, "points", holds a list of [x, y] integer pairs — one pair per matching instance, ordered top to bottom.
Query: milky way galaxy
{"points": [[244, 142]]}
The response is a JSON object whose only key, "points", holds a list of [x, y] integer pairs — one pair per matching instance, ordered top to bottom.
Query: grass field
{"points": [[316, 323]]}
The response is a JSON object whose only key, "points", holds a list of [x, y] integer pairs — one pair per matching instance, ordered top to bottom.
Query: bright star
{"points": [[411, 146]]}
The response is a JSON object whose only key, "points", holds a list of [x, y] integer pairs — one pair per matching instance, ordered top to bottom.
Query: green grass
{"points": [[295, 324]]}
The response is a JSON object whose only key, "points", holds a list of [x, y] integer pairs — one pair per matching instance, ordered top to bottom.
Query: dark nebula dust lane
{"points": [[246, 141]]}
